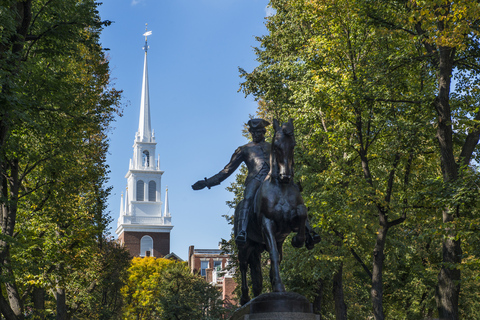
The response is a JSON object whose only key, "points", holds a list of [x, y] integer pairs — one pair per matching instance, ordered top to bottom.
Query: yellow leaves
{"points": [[446, 23], [379, 193], [143, 276], [32, 280]]}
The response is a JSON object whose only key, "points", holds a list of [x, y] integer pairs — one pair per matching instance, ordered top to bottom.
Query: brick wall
{"points": [[161, 242], [198, 258], [227, 291]]}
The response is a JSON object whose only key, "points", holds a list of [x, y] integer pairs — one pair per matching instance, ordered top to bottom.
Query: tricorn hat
{"points": [[256, 124]]}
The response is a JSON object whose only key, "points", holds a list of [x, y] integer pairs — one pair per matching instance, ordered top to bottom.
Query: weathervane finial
{"points": [[146, 34]]}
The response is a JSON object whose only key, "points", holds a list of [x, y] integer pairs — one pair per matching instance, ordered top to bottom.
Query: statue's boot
{"points": [[241, 237], [312, 237]]}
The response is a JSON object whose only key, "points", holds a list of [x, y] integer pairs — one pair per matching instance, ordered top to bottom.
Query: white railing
{"points": [[145, 220], [218, 274]]}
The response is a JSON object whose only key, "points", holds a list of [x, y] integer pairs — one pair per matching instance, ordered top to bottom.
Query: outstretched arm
{"points": [[235, 161], [200, 184]]}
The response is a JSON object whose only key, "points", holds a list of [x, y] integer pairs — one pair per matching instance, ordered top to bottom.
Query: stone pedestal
{"points": [[276, 306]]}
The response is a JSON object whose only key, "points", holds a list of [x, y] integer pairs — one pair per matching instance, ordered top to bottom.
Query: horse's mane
{"points": [[287, 129]]}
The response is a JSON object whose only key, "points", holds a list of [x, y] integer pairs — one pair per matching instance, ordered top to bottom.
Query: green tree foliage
{"points": [[447, 32], [362, 79], [56, 104], [159, 288], [91, 292], [94, 292]]}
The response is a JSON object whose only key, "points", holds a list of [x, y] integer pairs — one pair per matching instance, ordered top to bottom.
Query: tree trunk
{"points": [[9, 187], [9, 190], [379, 250], [377, 273], [448, 288], [14, 299], [39, 303], [317, 303], [61, 304], [340, 306], [5, 308], [7, 312]]}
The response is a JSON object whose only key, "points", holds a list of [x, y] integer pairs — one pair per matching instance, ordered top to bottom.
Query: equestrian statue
{"points": [[272, 207]]}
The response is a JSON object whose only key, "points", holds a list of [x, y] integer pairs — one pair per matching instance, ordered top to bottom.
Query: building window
{"points": [[146, 159], [140, 190], [152, 191], [146, 244], [217, 264], [203, 268]]}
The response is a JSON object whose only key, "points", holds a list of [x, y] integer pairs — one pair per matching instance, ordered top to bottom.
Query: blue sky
{"points": [[196, 48]]}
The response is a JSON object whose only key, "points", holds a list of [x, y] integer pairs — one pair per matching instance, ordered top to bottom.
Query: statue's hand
{"points": [[199, 185]]}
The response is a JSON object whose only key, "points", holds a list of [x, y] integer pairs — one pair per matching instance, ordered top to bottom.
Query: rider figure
{"points": [[256, 155]]}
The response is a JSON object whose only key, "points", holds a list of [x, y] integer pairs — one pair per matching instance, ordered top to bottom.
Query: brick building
{"points": [[199, 260], [212, 265]]}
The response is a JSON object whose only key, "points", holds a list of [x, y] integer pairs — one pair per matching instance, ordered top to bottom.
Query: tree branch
{"points": [[40, 11], [390, 25], [33, 39], [394, 101], [471, 142], [391, 177], [355, 255]]}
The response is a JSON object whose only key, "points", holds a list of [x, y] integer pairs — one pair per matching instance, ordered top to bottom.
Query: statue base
{"points": [[276, 306]]}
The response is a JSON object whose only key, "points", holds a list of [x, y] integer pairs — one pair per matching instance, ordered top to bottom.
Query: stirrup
{"points": [[241, 238]]}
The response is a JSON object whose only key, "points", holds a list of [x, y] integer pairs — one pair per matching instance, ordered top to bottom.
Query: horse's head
{"points": [[282, 151]]}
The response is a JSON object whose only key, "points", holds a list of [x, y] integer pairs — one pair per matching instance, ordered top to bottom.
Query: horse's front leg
{"points": [[268, 228], [299, 239]]}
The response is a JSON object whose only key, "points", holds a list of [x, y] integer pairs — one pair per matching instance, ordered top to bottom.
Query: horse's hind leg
{"points": [[269, 233], [299, 239], [280, 250], [243, 264], [256, 271]]}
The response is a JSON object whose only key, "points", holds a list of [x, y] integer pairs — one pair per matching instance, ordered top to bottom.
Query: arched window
{"points": [[146, 158], [140, 190], [152, 191], [146, 244]]}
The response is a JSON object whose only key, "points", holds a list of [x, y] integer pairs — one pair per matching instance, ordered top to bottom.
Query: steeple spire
{"points": [[146, 34], [144, 127]]}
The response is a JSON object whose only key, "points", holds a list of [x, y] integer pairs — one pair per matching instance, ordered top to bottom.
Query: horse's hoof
{"points": [[315, 238], [312, 240], [297, 243], [309, 245], [279, 288], [244, 300]]}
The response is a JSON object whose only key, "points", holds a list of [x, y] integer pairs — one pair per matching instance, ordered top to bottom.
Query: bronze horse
{"points": [[278, 211]]}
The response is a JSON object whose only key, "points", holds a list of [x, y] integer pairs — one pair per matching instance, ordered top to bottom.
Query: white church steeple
{"points": [[142, 227]]}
